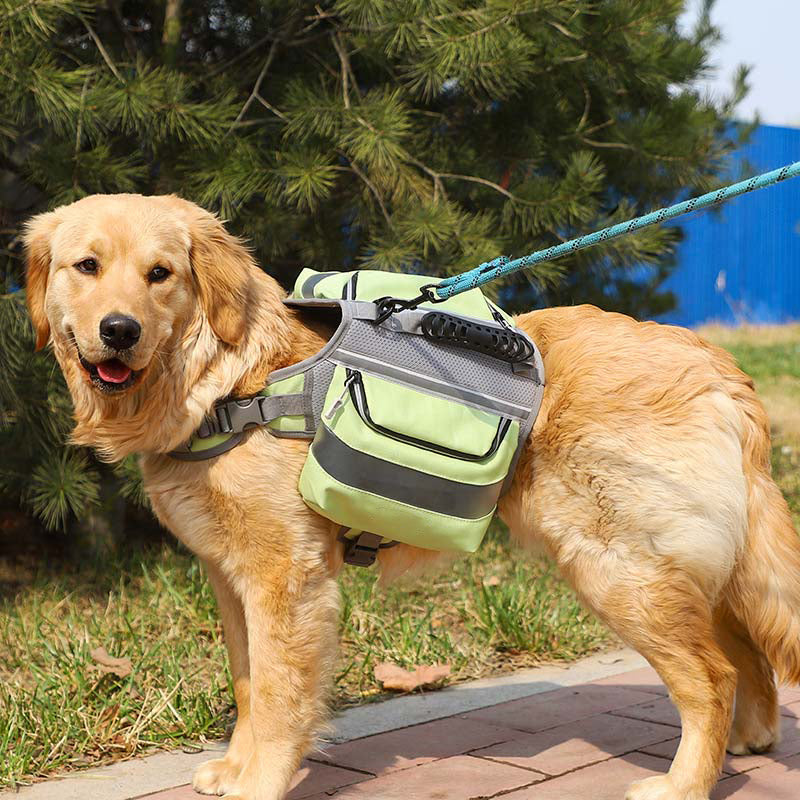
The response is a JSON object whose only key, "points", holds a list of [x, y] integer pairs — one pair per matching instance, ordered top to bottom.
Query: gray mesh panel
{"points": [[476, 371], [323, 373]]}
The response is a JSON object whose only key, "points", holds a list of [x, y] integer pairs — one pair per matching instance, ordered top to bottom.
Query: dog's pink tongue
{"points": [[113, 371]]}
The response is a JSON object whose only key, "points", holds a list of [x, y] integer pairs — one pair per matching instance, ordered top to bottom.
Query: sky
{"points": [[763, 34]]}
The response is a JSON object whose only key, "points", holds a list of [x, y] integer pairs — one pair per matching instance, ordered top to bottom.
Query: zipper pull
{"points": [[341, 399]]}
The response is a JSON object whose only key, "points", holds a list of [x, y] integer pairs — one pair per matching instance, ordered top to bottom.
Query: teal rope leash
{"points": [[490, 270]]}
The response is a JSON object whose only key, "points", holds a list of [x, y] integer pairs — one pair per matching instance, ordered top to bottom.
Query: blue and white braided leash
{"points": [[503, 265]]}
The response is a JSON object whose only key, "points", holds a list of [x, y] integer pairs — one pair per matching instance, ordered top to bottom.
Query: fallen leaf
{"points": [[121, 667], [394, 677]]}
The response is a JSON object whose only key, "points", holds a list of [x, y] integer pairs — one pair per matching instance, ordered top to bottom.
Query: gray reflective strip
{"points": [[307, 289], [415, 380], [308, 389], [292, 434], [406, 485]]}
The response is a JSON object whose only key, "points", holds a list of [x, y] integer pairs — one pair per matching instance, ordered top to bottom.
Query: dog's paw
{"points": [[744, 743], [217, 776], [659, 788]]}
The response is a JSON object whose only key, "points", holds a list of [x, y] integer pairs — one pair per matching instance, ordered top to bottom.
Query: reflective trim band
{"points": [[307, 289], [415, 380], [308, 393], [403, 484]]}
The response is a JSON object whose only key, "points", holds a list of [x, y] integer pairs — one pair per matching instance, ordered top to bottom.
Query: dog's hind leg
{"points": [[663, 614], [756, 719], [219, 775]]}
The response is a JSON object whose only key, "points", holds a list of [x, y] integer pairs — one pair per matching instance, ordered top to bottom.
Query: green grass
{"points": [[771, 356], [489, 613], [57, 712]]}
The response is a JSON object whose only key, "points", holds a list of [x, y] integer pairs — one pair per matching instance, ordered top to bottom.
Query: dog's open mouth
{"points": [[111, 375]]}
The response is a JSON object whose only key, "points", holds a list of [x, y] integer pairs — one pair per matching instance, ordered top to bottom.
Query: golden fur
{"points": [[646, 478]]}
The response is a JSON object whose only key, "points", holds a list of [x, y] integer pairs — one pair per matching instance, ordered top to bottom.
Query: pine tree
{"points": [[422, 135]]}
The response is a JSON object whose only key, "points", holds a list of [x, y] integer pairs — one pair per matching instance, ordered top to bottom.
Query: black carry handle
{"points": [[503, 343]]}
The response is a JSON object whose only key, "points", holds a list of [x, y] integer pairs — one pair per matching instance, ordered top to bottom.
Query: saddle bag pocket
{"points": [[407, 465]]}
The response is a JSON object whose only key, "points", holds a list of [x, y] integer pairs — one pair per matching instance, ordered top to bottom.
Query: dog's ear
{"points": [[38, 237], [222, 268]]}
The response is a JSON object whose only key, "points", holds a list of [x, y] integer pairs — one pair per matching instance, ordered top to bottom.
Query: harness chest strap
{"points": [[232, 417]]}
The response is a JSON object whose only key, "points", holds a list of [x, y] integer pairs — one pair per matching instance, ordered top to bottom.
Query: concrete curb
{"points": [[400, 712], [141, 776], [125, 779]]}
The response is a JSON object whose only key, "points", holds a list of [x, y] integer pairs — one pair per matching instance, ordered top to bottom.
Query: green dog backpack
{"points": [[417, 416]]}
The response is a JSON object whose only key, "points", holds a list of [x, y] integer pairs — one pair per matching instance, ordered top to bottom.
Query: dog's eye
{"points": [[88, 265], [158, 274]]}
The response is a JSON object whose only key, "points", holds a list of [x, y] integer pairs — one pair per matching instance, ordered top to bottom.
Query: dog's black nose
{"points": [[119, 331]]}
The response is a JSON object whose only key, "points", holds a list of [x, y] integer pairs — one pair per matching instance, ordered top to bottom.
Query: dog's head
{"points": [[116, 279], [140, 297]]}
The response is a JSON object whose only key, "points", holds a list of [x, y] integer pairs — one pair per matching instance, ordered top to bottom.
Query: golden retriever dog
{"points": [[646, 478]]}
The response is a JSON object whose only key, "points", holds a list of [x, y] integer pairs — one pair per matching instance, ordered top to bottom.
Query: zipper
{"points": [[355, 384], [342, 398]]}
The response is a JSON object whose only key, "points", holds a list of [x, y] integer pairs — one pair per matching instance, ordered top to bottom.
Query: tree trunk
{"points": [[171, 38]]}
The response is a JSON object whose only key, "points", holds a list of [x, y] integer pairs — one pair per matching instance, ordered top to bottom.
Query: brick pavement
{"points": [[584, 742]]}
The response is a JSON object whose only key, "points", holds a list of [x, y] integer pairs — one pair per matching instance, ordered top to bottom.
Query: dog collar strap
{"points": [[223, 429]]}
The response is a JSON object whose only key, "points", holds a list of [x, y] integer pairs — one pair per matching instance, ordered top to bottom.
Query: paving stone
{"points": [[643, 680], [788, 694], [549, 709], [791, 709], [661, 711], [578, 744], [789, 746], [410, 747], [670, 747], [311, 778], [457, 778], [606, 781], [780, 781], [178, 793]]}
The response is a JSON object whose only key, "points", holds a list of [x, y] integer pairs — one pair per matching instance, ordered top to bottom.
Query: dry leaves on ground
{"points": [[121, 667], [403, 680]]}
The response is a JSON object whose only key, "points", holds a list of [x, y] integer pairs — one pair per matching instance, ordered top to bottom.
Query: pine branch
{"points": [[103, 52], [254, 94]]}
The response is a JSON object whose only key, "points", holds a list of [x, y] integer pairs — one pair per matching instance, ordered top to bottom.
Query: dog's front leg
{"points": [[292, 617], [219, 775]]}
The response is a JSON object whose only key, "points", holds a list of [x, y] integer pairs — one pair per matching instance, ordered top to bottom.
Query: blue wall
{"points": [[742, 263]]}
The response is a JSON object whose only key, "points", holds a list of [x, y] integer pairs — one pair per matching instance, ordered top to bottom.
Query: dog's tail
{"points": [[764, 590]]}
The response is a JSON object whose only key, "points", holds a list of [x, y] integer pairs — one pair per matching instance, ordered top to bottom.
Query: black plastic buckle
{"points": [[246, 413], [234, 416], [223, 419], [207, 428], [362, 550]]}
